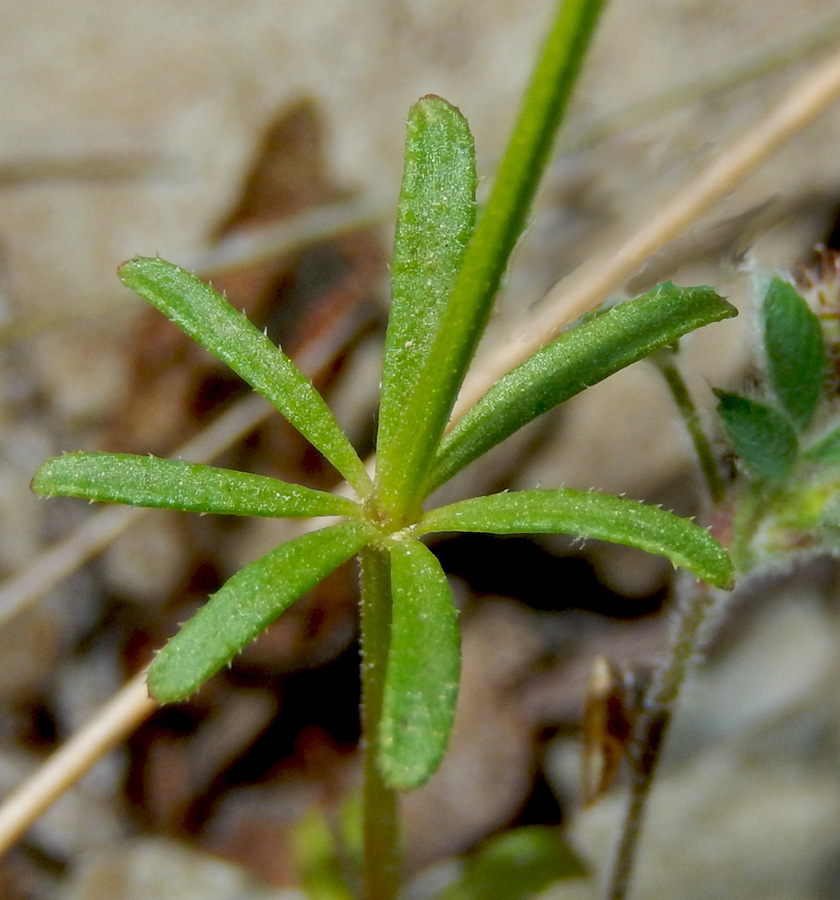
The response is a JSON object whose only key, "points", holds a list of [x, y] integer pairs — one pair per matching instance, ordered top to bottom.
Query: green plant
{"points": [[446, 270], [787, 437], [783, 503]]}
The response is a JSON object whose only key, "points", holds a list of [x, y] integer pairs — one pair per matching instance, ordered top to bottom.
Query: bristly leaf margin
{"points": [[435, 218], [208, 318], [577, 359], [176, 484], [589, 514], [247, 604], [424, 664]]}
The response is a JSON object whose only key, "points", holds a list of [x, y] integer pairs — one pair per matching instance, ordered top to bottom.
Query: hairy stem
{"points": [[708, 464], [662, 695], [651, 731], [380, 825]]}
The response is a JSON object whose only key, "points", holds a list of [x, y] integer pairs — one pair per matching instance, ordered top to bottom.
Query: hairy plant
{"points": [[446, 270]]}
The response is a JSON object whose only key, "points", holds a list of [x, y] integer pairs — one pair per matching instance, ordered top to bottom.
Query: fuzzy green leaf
{"points": [[435, 218], [465, 316], [210, 320], [795, 352], [581, 357], [761, 435], [176, 484], [589, 514], [248, 603], [424, 662], [515, 865]]}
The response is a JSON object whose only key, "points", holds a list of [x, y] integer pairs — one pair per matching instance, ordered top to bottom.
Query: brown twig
{"points": [[652, 729]]}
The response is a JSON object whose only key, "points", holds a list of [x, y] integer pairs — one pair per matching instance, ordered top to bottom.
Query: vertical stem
{"points": [[497, 231], [665, 363], [751, 507], [654, 722], [651, 732], [380, 824]]}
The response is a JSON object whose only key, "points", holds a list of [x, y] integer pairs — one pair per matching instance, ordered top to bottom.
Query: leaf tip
{"points": [[126, 268], [39, 483], [721, 574], [162, 689]]}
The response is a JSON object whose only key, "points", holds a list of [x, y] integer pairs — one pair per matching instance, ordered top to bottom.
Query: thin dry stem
{"points": [[818, 37], [252, 246], [242, 248], [584, 290], [114, 722], [652, 730]]}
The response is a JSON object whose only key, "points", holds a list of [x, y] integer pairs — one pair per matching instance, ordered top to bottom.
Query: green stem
{"points": [[497, 231], [666, 365], [750, 512], [651, 731], [380, 825]]}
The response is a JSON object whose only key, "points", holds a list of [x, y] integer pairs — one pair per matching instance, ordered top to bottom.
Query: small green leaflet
{"points": [[795, 353], [761, 435], [516, 865]]}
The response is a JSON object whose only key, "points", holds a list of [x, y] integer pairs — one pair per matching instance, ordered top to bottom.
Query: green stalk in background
{"points": [[404, 464]]}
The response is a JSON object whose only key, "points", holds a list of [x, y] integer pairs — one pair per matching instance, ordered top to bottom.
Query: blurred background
{"points": [[259, 142]]}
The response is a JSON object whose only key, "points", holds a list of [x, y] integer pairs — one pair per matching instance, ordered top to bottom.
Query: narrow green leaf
{"points": [[435, 218], [495, 236], [210, 320], [795, 351], [581, 357], [761, 435], [175, 484], [589, 514], [248, 603], [424, 662], [515, 865]]}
